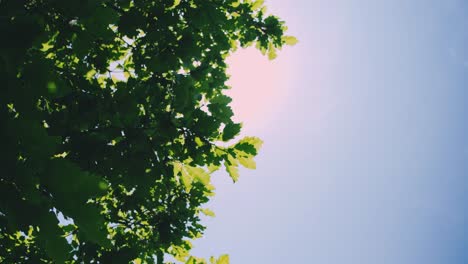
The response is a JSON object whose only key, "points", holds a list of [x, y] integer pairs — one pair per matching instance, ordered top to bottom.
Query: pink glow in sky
{"points": [[258, 86]]}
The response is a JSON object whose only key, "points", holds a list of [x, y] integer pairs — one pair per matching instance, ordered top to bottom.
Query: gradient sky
{"points": [[366, 153]]}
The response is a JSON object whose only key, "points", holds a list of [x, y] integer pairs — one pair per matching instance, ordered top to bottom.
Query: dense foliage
{"points": [[113, 118]]}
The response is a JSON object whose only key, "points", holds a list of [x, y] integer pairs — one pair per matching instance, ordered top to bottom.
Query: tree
{"points": [[113, 118]]}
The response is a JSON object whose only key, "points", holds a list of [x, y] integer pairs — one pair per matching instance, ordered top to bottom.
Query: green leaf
{"points": [[176, 3], [235, 3], [257, 4], [130, 21], [289, 40], [272, 54], [182, 95], [221, 99], [221, 112], [231, 130], [249, 145], [247, 162], [212, 168], [233, 171], [189, 174], [199, 174], [187, 180], [81, 185], [208, 212], [91, 224], [69, 228], [50, 236], [224, 259], [194, 260]]}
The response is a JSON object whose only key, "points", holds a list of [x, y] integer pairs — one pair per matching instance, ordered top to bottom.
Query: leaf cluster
{"points": [[113, 117]]}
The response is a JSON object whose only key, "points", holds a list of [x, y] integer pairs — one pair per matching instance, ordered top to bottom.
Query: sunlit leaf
{"points": [[176, 3], [257, 4], [289, 40], [247, 162], [233, 171], [208, 212], [224, 259]]}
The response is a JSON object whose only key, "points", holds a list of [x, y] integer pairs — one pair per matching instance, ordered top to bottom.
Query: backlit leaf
{"points": [[257, 4], [289, 40], [247, 162], [233, 171], [208, 212], [224, 259]]}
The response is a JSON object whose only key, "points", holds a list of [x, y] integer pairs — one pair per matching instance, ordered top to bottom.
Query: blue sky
{"points": [[365, 155]]}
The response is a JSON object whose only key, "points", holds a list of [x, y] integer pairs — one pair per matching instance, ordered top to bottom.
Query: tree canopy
{"points": [[113, 119]]}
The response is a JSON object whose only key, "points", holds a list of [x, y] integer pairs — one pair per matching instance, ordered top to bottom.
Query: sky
{"points": [[365, 157]]}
